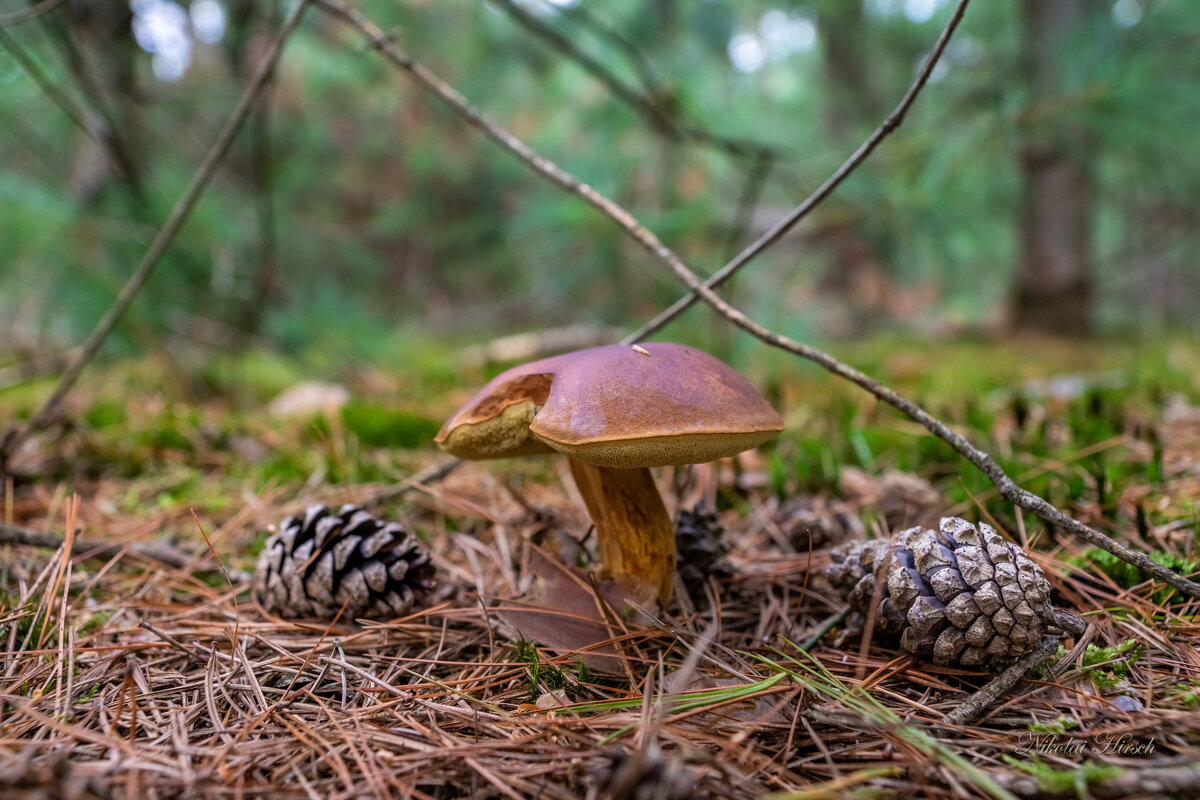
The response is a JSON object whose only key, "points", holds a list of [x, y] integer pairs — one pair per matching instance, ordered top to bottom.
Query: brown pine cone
{"points": [[810, 522], [700, 549], [316, 564], [963, 596], [650, 775]]}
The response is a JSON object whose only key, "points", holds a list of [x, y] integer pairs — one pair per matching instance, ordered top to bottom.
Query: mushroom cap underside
{"points": [[615, 407]]}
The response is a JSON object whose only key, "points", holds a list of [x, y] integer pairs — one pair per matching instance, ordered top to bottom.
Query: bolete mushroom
{"points": [[615, 412]]}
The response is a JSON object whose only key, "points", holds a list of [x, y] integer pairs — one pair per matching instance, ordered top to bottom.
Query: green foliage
{"points": [[258, 543], [25, 620], [94, 622], [90, 693]]}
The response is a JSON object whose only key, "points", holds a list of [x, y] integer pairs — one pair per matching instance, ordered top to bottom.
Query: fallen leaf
{"points": [[564, 613]]}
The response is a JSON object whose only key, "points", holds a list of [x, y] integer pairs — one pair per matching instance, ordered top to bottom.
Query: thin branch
{"points": [[33, 12], [581, 16], [51, 90], [661, 119], [96, 124], [263, 176], [179, 215], [777, 232], [652, 244], [164, 553], [971, 708], [1182, 780]]}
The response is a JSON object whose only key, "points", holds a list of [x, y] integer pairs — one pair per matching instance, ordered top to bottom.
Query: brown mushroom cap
{"points": [[615, 407]]}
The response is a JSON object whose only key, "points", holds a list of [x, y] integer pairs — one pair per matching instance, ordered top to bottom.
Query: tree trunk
{"points": [[1054, 292]]}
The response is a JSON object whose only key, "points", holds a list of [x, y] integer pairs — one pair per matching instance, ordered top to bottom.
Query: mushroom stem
{"points": [[637, 539]]}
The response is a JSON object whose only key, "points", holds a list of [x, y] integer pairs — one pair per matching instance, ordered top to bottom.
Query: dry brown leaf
{"points": [[566, 614]]}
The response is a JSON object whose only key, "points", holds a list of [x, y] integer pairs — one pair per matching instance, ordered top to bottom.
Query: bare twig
{"points": [[33, 12], [581, 16], [50, 89], [660, 118], [179, 215], [777, 232], [665, 255], [164, 553], [970, 709], [1173, 781]]}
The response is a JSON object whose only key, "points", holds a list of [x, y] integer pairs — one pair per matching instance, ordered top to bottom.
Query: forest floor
{"points": [[126, 676]]}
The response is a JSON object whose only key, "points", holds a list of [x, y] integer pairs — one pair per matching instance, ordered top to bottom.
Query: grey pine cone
{"points": [[317, 563], [962, 595]]}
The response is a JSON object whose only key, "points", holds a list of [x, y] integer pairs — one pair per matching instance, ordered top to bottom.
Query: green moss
{"points": [[105, 413], [377, 426], [1127, 575], [94, 622], [1108, 666], [90, 693], [1187, 693], [1056, 727], [1065, 781]]}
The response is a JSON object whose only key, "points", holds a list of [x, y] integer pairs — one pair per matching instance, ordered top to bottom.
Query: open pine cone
{"points": [[316, 564], [961, 596]]}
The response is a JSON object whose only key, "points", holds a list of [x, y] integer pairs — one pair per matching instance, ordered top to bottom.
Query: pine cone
{"points": [[902, 498], [810, 522], [700, 549], [317, 563], [964, 596], [650, 775]]}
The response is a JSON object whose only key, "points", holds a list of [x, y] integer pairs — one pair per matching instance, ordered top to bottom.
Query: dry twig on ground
{"points": [[164, 553]]}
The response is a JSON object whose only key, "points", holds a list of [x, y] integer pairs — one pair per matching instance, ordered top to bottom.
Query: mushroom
{"points": [[615, 412]]}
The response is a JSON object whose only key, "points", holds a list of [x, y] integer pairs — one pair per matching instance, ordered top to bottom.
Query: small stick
{"points": [[644, 103], [164, 553], [166, 637], [994, 689], [1176, 781]]}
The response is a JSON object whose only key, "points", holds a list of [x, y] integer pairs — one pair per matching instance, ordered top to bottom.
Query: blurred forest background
{"points": [[1046, 180]]}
